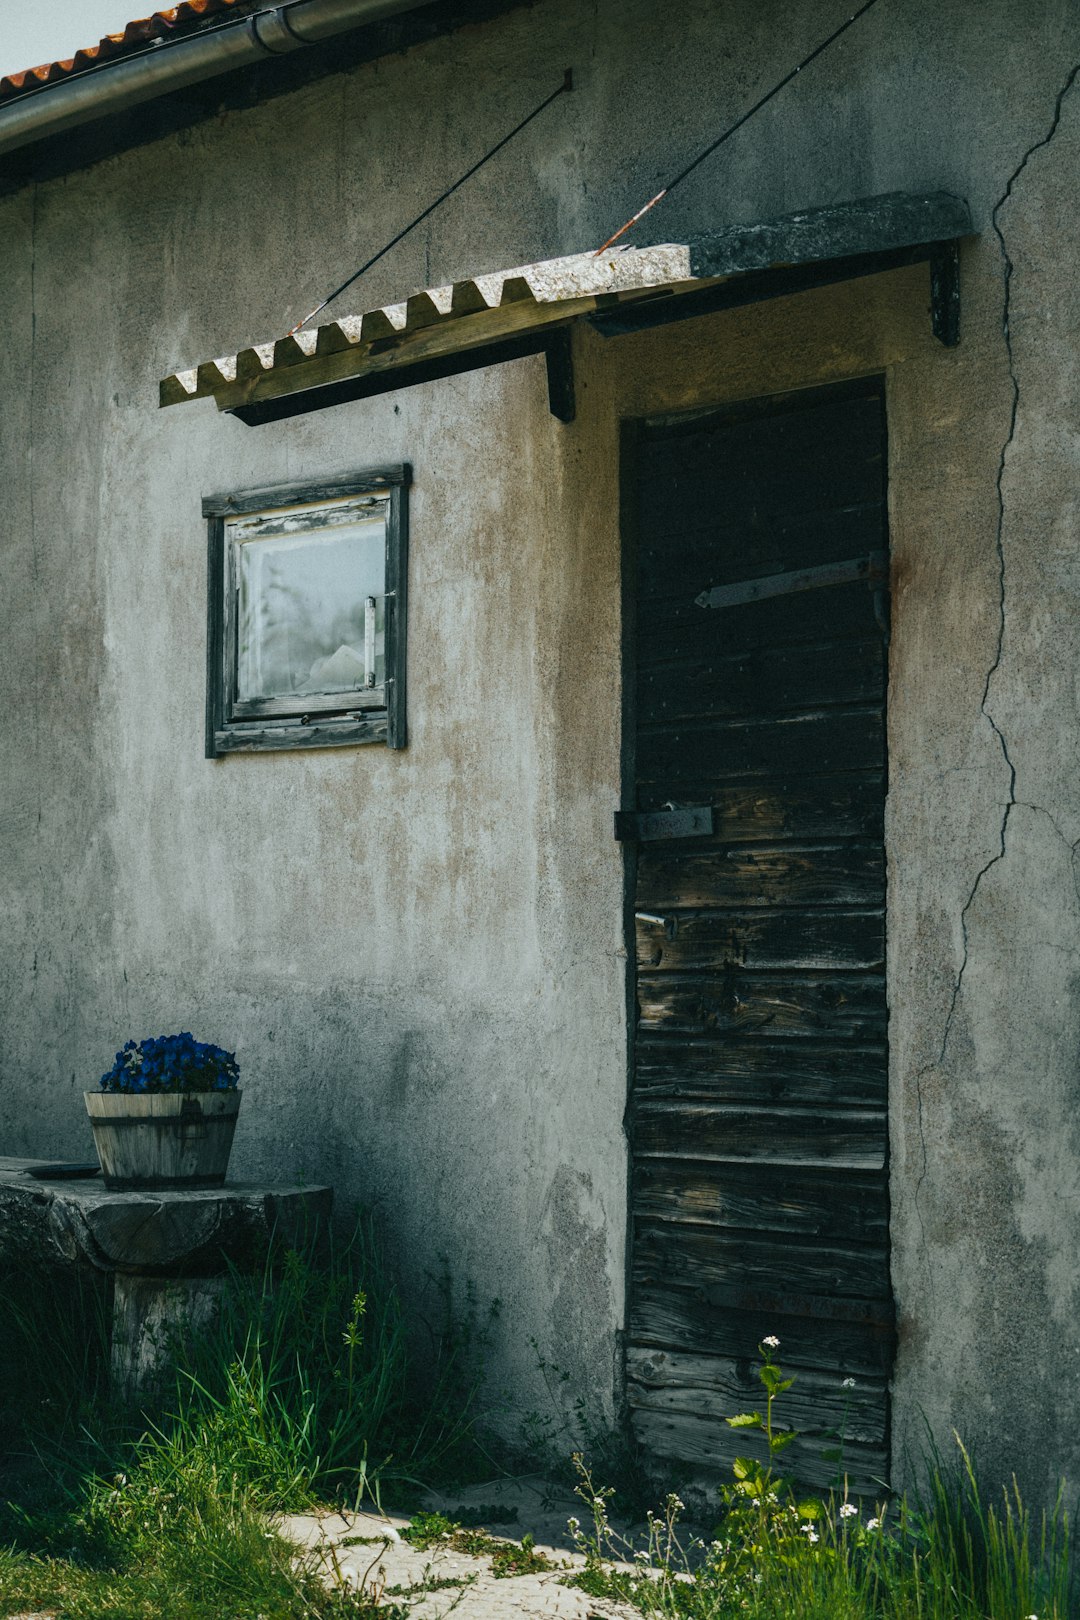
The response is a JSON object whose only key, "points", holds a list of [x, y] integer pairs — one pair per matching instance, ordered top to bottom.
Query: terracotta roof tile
{"points": [[187, 18]]}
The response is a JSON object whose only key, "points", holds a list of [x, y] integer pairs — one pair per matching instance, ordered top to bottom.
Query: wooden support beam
{"points": [[945, 293], [560, 375]]}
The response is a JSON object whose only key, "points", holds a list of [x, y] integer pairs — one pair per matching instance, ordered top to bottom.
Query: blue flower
{"points": [[170, 1063]]}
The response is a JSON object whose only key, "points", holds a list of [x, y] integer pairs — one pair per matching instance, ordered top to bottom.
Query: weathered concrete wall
{"points": [[419, 957]]}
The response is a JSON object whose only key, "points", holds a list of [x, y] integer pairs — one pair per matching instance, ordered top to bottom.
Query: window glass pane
{"points": [[304, 579]]}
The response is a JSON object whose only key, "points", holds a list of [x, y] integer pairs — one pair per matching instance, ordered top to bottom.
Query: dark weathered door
{"points": [[759, 1095]]}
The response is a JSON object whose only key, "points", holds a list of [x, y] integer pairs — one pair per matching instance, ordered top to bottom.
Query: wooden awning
{"points": [[529, 310]]}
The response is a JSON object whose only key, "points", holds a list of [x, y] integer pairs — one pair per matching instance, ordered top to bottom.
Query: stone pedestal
{"points": [[167, 1252], [149, 1315]]}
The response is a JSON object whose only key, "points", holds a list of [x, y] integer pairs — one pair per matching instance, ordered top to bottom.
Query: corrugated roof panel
{"points": [[441, 319]]}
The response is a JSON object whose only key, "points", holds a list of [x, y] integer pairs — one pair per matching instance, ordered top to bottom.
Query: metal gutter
{"points": [[173, 65]]}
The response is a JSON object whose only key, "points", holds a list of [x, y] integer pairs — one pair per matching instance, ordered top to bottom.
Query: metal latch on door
{"points": [[670, 821]]}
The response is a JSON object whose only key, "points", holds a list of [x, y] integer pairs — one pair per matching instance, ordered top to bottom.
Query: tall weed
{"points": [[303, 1387]]}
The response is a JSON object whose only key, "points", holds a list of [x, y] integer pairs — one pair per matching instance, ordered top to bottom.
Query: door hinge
{"points": [[873, 570]]}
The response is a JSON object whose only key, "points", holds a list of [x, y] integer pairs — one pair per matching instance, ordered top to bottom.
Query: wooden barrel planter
{"points": [[163, 1139]]}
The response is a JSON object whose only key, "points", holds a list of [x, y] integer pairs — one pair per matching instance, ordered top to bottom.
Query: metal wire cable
{"points": [[567, 84], [738, 124]]}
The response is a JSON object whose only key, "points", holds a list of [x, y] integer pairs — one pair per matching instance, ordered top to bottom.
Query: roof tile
{"points": [[188, 18]]}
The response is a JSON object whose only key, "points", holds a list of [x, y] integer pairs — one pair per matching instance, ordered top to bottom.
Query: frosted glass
{"points": [[300, 610]]}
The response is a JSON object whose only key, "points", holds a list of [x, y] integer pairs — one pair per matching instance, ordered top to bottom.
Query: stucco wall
{"points": [[419, 957]]}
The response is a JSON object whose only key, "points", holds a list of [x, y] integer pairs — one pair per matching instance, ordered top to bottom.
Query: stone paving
{"points": [[367, 1549]]}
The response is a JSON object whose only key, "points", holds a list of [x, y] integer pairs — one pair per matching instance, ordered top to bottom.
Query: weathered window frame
{"points": [[228, 732]]}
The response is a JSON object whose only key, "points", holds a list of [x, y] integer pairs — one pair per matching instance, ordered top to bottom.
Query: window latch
{"points": [[369, 642]]}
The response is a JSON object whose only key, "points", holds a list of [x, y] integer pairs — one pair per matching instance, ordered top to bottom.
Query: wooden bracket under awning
{"points": [[529, 310]]}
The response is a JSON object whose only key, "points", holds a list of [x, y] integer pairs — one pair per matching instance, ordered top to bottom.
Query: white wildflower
{"points": [[772, 1341], [848, 1383], [755, 1501], [847, 1510], [873, 1524], [811, 1535]]}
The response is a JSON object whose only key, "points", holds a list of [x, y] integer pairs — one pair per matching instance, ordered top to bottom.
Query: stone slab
{"points": [[159, 1233], [366, 1551]]}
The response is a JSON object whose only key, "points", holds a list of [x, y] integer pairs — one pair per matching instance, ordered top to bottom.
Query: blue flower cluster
{"points": [[172, 1063]]}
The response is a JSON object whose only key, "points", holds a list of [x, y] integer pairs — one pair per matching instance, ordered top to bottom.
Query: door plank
{"points": [[680, 559], [677, 627], [762, 682], [716, 753], [774, 809], [701, 873], [717, 940], [845, 1007], [759, 1070], [853, 1137], [814, 1201], [709, 1259], [677, 1315], [719, 1387], [711, 1448]]}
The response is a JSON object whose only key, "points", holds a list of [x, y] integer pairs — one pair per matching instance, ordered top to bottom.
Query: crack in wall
{"points": [[1008, 269], [1010, 804]]}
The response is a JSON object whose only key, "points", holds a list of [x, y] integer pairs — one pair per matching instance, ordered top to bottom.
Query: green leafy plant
{"points": [[946, 1554]]}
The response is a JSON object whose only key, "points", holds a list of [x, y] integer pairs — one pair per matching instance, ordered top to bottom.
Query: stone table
{"points": [[167, 1253]]}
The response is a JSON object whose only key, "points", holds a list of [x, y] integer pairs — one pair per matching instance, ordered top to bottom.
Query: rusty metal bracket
{"points": [[560, 375]]}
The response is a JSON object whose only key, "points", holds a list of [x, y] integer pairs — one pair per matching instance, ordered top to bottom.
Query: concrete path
{"points": [[367, 1549]]}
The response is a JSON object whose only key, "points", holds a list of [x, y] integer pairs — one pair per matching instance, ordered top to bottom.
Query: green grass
{"points": [[302, 1391], [190, 1546]]}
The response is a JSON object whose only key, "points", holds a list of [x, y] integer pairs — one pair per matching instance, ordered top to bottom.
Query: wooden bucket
{"points": [[163, 1139]]}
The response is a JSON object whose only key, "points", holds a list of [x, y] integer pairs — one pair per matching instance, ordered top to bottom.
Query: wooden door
{"points": [[757, 584]]}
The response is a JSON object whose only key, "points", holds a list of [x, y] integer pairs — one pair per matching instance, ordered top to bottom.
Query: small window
{"points": [[306, 643]]}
